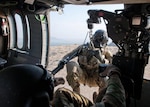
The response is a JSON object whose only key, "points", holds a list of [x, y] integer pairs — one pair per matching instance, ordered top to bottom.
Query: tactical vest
{"points": [[88, 61]]}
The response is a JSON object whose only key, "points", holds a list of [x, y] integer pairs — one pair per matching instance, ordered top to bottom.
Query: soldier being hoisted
{"points": [[90, 56]]}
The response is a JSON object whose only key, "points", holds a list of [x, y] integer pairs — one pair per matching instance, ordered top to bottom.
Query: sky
{"points": [[72, 26]]}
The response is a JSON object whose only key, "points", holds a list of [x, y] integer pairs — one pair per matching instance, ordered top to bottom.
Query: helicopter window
{"points": [[136, 21], [19, 27], [28, 31]]}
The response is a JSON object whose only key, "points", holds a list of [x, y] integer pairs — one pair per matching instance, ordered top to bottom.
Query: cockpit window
{"points": [[19, 27]]}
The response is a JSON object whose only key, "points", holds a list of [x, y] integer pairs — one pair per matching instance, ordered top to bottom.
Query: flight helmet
{"points": [[100, 39], [25, 85]]}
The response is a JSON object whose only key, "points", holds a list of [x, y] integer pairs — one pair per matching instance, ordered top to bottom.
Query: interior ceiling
{"points": [[107, 1], [124, 1], [42, 6]]}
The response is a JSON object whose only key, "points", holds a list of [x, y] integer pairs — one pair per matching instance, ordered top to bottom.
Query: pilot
{"points": [[90, 56], [114, 95]]}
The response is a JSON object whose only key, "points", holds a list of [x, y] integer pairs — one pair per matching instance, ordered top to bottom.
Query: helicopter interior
{"points": [[25, 35]]}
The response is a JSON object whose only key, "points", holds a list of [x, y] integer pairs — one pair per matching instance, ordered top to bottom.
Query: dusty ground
{"points": [[57, 52]]}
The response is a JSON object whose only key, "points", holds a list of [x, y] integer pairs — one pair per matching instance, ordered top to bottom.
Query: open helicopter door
{"points": [[29, 39]]}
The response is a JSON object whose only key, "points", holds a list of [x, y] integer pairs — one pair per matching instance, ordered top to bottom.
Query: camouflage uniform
{"points": [[86, 71], [113, 97]]}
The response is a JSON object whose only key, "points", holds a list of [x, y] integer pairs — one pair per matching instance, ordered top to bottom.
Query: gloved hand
{"points": [[110, 70], [58, 81]]}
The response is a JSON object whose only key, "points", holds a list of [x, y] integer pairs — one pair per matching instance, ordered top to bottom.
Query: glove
{"points": [[110, 70], [58, 81]]}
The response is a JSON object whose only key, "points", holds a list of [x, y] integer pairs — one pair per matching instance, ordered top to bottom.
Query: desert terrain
{"points": [[56, 54]]}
